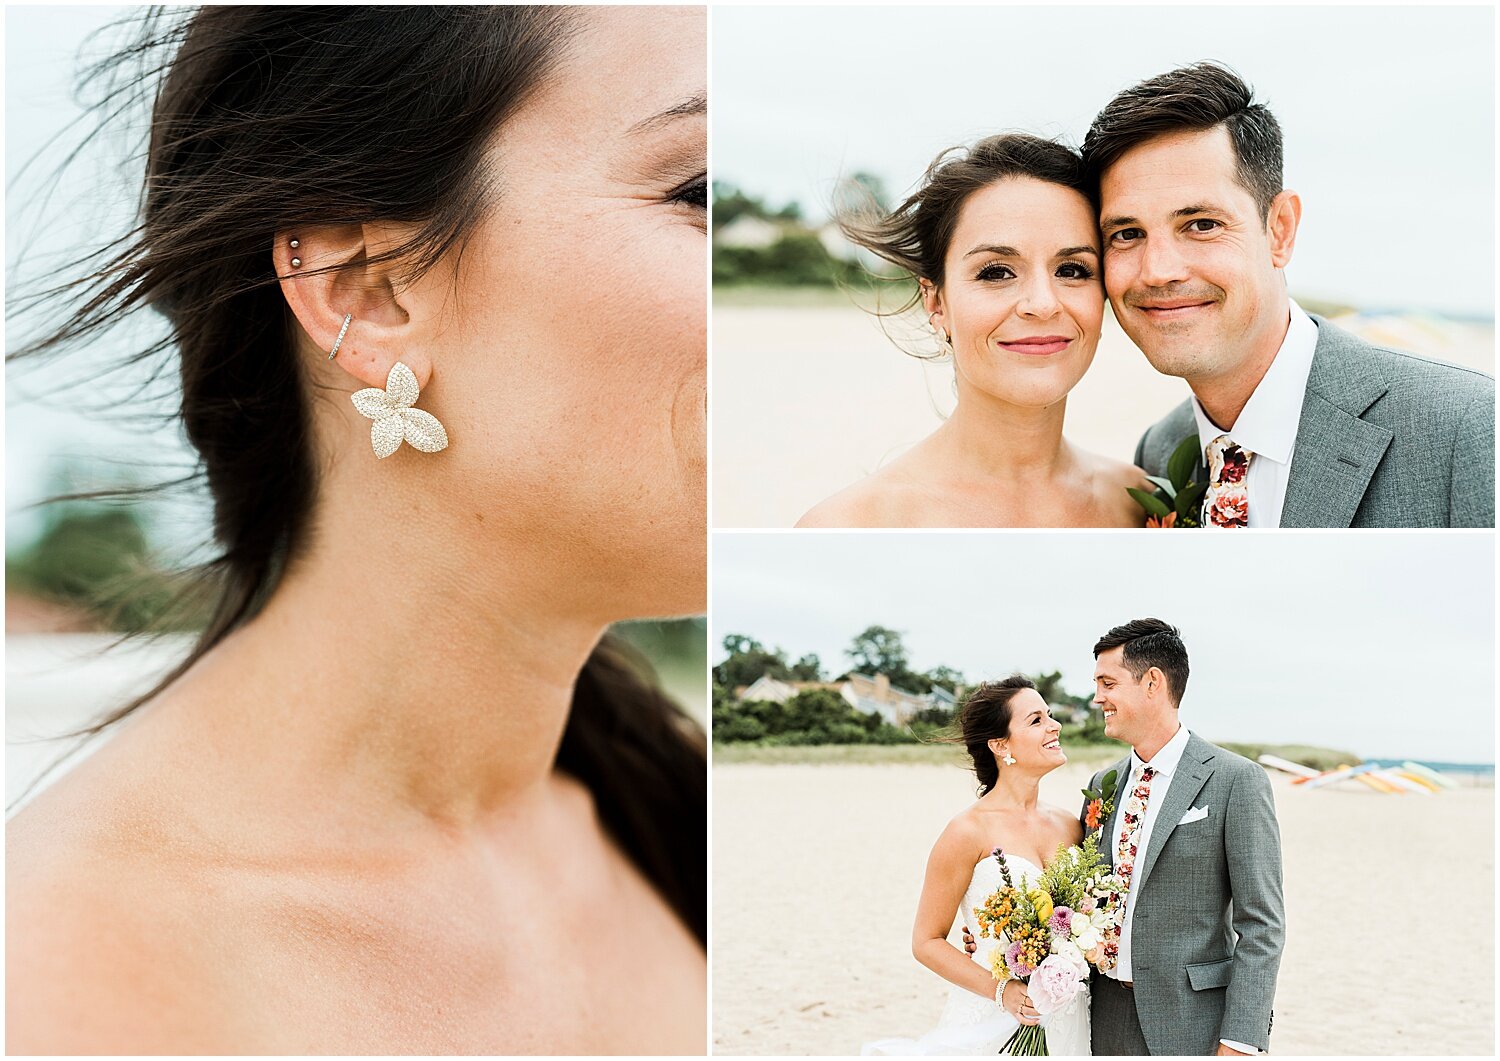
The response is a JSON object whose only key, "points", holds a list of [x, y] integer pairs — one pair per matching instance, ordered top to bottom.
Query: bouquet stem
{"points": [[1029, 1040]]}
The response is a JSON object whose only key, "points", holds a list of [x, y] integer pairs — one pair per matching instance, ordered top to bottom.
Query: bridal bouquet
{"points": [[1052, 930]]}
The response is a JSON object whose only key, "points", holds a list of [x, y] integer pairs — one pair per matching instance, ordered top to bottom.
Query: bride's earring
{"points": [[944, 339], [395, 419], [1008, 760]]}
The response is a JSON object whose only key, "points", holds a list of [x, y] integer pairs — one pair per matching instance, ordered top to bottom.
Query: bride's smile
{"points": [[1022, 299]]}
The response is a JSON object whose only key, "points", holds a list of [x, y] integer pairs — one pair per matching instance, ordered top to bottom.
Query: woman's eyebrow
{"points": [[692, 105]]}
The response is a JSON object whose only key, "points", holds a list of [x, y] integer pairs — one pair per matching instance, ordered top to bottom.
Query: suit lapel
{"points": [[1336, 452], [1187, 781], [1122, 785]]}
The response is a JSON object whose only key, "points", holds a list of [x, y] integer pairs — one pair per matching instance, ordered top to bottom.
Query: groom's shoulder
{"points": [[1409, 378], [1164, 436], [1231, 764]]}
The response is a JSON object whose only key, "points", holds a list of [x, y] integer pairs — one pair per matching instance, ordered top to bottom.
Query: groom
{"points": [[1298, 423], [1203, 930]]}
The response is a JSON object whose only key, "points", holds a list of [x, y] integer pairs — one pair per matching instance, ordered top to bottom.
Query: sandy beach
{"points": [[810, 398], [817, 870]]}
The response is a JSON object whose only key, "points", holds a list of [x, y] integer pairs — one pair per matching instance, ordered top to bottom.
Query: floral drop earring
{"points": [[391, 409]]}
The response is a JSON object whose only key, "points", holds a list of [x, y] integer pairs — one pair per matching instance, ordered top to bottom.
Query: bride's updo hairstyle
{"points": [[266, 118], [915, 236], [984, 717]]}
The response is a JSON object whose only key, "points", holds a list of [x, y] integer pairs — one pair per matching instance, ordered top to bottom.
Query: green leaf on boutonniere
{"points": [[1183, 461], [1165, 484], [1189, 500], [1153, 505]]}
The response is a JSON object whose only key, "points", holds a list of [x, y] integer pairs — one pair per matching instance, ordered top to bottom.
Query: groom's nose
{"points": [[1162, 263]]}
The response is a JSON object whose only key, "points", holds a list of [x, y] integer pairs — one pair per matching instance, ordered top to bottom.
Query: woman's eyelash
{"points": [[694, 193]]}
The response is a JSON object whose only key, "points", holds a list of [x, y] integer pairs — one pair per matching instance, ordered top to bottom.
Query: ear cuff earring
{"points": [[296, 262], [339, 341]]}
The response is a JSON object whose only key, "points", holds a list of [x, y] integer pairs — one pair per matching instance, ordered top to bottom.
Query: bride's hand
{"points": [[970, 946], [1018, 1003]]}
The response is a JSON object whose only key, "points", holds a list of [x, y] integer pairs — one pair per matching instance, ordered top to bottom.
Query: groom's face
{"points": [[1188, 261], [1120, 696]]}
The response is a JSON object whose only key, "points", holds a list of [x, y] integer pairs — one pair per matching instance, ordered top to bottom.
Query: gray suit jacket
{"points": [[1386, 439], [1207, 932]]}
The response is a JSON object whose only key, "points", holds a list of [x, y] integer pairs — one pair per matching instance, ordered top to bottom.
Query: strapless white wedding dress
{"points": [[974, 1025]]}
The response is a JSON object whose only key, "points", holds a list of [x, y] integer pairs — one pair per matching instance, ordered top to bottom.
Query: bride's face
{"points": [[1022, 296], [569, 342], [1034, 734]]}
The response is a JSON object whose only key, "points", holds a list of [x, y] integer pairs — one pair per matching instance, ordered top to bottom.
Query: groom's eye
{"points": [[1204, 224], [1125, 235]]}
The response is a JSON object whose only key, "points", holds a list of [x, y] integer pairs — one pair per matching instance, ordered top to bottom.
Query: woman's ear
{"points": [[336, 273], [932, 305]]}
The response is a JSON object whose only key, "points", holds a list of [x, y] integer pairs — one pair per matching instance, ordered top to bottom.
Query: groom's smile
{"points": [[1188, 257]]}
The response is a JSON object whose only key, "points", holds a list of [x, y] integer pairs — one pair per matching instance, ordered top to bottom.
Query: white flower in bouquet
{"points": [[1088, 932], [1066, 948], [1054, 984]]}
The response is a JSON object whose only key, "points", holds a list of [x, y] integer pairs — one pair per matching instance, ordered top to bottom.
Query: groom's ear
{"points": [[1281, 226], [1155, 681]]}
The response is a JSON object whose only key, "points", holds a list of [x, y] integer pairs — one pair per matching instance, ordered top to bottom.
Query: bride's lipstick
{"points": [[1038, 345]]}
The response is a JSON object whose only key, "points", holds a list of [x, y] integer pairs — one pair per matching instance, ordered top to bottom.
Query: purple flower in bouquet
{"points": [[1061, 922], [1018, 968]]}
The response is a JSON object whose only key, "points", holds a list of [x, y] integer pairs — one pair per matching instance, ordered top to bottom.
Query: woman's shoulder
{"points": [[1111, 479], [881, 499], [1064, 820], [107, 948], [99, 960]]}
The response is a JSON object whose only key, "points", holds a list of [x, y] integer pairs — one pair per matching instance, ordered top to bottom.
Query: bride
{"points": [[1003, 242], [1013, 742], [404, 758]]}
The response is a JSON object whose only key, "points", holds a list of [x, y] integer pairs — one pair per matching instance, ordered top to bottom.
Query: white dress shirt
{"points": [[1267, 426], [1165, 763]]}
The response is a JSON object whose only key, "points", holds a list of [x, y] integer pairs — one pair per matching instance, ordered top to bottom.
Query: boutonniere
{"points": [[1177, 499], [1101, 803]]}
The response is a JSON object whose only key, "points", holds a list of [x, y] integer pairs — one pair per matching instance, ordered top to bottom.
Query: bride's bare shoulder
{"points": [[1111, 478], [882, 499], [1065, 821], [99, 957]]}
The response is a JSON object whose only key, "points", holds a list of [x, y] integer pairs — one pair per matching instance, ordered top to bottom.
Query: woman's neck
{"points": [[988, 438], [394, 670], [1015, 790]]}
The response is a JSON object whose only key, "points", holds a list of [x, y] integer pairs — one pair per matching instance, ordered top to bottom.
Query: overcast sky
{"points": [[1387, 112], [1377, 643]]}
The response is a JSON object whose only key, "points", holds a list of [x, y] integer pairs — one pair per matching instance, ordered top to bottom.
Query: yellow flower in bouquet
{"points": [[1043, 903], [998, 969]]}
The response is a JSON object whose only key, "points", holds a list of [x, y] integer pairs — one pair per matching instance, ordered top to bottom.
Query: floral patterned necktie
{"points": [[1227, 502], [1130, 825]]}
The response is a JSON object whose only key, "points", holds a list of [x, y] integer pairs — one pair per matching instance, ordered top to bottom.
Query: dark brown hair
{"points": [[1192, 99], [266, 118], [915, 236], [1150, 643], [984, 717]]}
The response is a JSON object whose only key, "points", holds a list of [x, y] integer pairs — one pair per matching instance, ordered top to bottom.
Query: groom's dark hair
{"points": [[1192, 99], [1150, 643]]}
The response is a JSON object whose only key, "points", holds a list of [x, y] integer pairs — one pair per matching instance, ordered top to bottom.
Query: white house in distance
{"points": [[872, 695]]}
